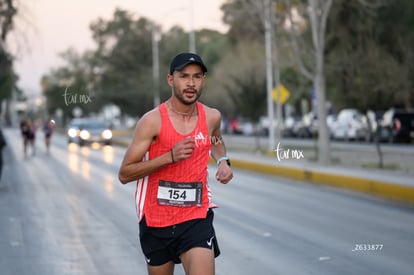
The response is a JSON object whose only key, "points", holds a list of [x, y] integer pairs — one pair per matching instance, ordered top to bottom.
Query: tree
{"points": [[318, 11], [7, 13], [237, 13], [318, 14], [264, 21], [395, 33], [367, 55], [124, 61], [120, 70], [240, 73], [7, 76], [72, 85], [249, 97]]}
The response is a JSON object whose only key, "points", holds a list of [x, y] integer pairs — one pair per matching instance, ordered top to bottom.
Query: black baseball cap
{"points": [[183, 59]]}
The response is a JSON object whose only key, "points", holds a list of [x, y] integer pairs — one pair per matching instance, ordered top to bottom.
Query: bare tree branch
{"points": [[7, 11], [295, 45]]}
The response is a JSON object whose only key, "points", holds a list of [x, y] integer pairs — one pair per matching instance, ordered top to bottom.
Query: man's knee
{"points": [[198, 260]]}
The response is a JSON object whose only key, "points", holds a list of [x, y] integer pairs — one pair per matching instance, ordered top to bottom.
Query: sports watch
{"points": [[224, 158]]}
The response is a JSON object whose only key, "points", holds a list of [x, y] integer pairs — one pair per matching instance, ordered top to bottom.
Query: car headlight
{"points": [[72, 132], [84, 134], [107, 134]]}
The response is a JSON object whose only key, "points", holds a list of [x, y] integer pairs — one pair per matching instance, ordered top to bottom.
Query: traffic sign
{"points": [[283, 92]]}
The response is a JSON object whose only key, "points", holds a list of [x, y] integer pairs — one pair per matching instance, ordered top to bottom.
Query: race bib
{"points": [[179, 193]]}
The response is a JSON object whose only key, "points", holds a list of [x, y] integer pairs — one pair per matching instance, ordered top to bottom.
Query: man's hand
{"points": [[183, 149], [224, 173]]}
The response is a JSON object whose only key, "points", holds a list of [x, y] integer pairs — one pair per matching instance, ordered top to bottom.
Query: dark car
{"points": [[397, 125], [88, 130]]}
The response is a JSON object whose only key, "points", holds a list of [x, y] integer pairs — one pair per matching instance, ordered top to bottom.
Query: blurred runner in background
{"points": [[48, 128], [28, 131]]}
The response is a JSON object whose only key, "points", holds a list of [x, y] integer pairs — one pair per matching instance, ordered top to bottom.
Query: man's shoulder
{"points": [[210, 110], [211, 113], [152, 115], [149, 123]]}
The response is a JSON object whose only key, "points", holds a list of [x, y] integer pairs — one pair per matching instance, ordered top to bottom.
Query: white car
{"points": [[350, 125], [87, 130]]}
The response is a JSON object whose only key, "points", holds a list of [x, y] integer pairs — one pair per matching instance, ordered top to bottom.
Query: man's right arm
{"points": [[133, 167]]}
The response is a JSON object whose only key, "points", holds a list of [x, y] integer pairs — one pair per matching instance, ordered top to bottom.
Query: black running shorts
{"points": [[163, 244]]}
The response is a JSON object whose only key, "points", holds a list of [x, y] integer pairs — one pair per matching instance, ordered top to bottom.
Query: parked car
{"points": [[350, 124], [264, 125], [397, 125], [289, 126], [306, 127], [88, 130]]}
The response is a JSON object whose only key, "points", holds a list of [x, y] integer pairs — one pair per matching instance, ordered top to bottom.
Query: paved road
{"points": [[66, 213]]}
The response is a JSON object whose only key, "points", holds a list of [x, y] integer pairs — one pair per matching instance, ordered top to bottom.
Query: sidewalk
{"points": [[375, 182]]}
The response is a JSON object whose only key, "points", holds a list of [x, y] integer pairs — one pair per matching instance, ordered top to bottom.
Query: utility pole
{"points": [[156, 33], [192, 41], [275, 58], [155, 65], [269, 73]]}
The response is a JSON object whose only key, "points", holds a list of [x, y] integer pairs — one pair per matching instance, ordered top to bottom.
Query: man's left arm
{"points": [[218, 152]]}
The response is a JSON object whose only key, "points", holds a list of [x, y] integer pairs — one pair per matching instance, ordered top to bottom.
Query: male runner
{"points": [[168, 157]]}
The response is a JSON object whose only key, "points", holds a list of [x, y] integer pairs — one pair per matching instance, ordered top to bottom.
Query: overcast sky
{"points": [[46, 27]]}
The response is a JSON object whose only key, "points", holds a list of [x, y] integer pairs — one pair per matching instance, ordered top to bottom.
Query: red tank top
{"points": [[178, 192]]}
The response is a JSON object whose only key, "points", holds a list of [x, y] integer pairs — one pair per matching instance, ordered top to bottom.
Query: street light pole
{"points": [[155, 32], [192, 42], [155, 65], [276, 72], [269, 74]]}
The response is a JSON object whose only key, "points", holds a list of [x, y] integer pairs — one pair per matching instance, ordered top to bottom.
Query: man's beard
{"points": [[180, 96]]}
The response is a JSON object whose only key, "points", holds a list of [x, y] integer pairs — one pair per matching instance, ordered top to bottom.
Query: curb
{"points": [[374, 187]]}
